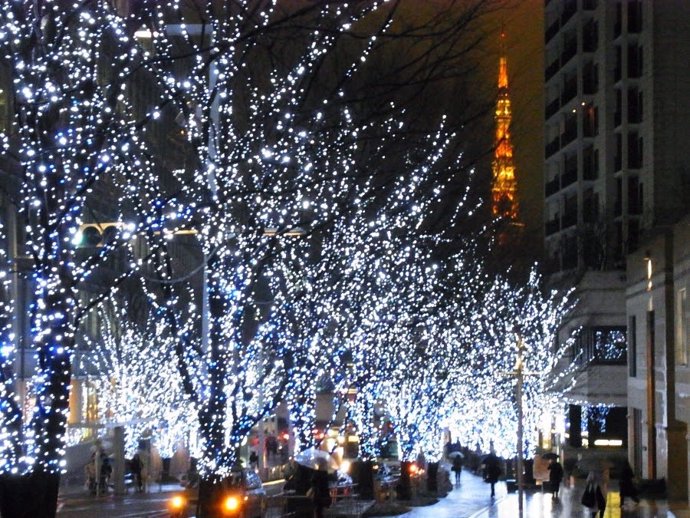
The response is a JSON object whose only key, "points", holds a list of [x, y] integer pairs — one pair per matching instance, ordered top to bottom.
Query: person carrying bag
{"points": [[593, 498]]}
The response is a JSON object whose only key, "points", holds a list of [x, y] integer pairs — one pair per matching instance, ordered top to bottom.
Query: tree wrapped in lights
{"points": [[75, 137], [280, 142], [281, 152], [513, 316], [132, 367]]}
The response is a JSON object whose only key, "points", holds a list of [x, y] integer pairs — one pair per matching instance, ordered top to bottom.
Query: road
{"points": [[469, 499]]}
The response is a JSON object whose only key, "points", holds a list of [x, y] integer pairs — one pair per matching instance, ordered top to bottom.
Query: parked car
{"points": [[240, 495]]}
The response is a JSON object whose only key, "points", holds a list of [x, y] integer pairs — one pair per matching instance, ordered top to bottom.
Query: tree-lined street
{"points": [[220, 210], [470, 499]]}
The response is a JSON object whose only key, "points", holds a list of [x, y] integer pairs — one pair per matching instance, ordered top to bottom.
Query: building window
{"points": [[635, 16], [681, 328], [603, 345], [632, 346]]}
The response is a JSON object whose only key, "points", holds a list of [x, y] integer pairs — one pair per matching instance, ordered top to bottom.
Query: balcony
{"points": [[568, 11], [634, 22], [551, 31], [590, 38], [569, 50], [552, 69], [590, 84], [569, 91], [552, 108], [634, 114], [570, 132], [552, 147], [634, 160], [617, 163], [589, 171], [569, 178], [552, 187], [569, 219], [553, 226]]}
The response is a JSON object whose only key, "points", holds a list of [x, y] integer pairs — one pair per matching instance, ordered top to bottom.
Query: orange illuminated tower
{"points": [[503, 186]]}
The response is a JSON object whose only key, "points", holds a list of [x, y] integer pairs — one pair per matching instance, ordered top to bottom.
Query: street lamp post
{"points": [[519, 374]]}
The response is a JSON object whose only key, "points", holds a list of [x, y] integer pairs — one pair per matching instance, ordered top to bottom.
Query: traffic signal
{"points": [[96, 234]]}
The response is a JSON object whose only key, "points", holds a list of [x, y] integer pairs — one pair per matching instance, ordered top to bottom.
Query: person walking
{"points": [[136, 466], [457, 467], [492, 471], [90, 472], [555, 477], [627, 485], [319, 492], [594, 497]]}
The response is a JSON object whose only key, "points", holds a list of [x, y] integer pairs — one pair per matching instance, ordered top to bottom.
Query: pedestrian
{"points": [[253, 460], [136, 466], [457, 466], [106, 471], [492, 471], [90, 472], [555, 477], [627, 485], [319, 492], [594, 497]]}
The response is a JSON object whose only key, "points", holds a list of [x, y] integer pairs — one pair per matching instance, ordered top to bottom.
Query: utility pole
{"points": [[518, 394]]}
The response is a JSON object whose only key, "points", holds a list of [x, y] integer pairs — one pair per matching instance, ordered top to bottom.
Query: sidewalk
{"points": [[470, 499], [76, 502], [541, 505]]}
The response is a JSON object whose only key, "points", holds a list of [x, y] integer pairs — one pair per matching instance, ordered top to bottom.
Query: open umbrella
{"points": [[454, 454], [549, 456], [316, 459], [594, 464]]}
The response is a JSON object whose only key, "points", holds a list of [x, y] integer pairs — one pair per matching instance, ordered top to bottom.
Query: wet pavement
{"points": [[471, 499]]}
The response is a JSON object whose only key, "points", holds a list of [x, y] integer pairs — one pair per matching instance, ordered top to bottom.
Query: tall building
{"points": [[616, 178], [504, 201]]}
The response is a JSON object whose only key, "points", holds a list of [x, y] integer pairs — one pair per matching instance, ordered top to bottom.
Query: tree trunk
{"points": [[363, 472], [431, 477], [404, 485], [211, 492], [29, 496]]}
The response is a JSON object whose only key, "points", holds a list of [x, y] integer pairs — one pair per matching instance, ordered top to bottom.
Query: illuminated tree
{"points": [[269, 118], [75, 136], [290, 162], [512, 316], [133, 370]]}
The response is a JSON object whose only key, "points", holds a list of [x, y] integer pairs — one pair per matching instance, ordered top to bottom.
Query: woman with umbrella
{"points": [[318, 463], [457, 465], [555, 474], [320, 492]]}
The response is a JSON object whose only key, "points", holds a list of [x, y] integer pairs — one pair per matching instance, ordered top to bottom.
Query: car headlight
{"points": [[177, 502], [231, 504]]}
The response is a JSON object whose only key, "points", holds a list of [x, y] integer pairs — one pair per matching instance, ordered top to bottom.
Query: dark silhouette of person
{"points": [[136, 467], [457, 467], [492, 471], [555, 477], [627, 485], [320, 492], [594, 498]]}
